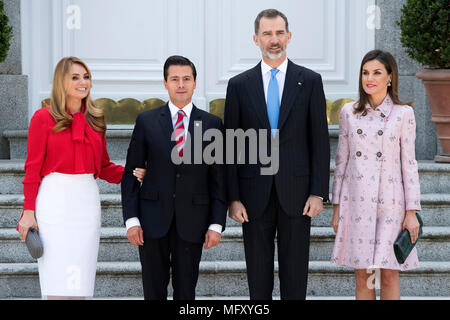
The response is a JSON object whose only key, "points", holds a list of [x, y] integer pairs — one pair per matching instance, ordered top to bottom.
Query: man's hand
{"points": [[313, 206], [237, 212], [136, 236], [212, 239]]}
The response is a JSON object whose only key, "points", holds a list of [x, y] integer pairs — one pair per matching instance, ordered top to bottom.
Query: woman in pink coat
{"points": [[376, 189]]}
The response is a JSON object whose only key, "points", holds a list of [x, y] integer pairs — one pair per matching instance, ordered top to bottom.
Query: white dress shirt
{"points": [[281, 76], [174, 113], [132, 222]]}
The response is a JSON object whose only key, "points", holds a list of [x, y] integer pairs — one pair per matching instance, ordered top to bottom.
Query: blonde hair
{"points": [[94, 115]]}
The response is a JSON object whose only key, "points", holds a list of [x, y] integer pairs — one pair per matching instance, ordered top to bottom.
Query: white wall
{"points": [[125, 43]]}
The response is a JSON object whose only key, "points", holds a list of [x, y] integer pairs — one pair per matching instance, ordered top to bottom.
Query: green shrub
{"points": [[425, 31], [5, 34]]}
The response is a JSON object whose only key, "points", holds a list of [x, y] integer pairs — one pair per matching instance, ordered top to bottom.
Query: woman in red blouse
{"points": [[66, 153]]}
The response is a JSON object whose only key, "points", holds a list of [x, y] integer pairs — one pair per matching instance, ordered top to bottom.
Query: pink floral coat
{"points": [[375, 181]]}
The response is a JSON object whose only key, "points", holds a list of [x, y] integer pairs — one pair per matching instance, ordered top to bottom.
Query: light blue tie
{"points": [[273, 102]]}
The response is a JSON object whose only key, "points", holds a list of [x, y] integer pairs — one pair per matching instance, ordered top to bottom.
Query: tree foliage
{"points": [[425, 31], [5, 33]]}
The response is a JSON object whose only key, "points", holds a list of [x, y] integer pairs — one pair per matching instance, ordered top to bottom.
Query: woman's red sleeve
{"points": [[36, 150], [109, 171]]}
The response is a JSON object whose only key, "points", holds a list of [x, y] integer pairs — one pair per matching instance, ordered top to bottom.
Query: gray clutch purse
{"points": [[34, 244]]}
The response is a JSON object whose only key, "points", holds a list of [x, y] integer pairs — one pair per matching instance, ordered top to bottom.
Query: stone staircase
{"points": [[222, 270]]}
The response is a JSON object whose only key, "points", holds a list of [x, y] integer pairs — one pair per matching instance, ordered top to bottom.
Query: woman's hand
{"points": [[139, 173], [237, 212], [335, 218], [27, 221], [411, 224]]}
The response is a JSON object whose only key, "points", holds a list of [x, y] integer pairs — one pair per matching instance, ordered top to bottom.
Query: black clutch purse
{"points": [[34, 244], [403, 244]]}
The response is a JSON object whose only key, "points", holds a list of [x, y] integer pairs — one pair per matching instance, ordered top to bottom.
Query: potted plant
{"points": [[425, 33], [5, 34]]}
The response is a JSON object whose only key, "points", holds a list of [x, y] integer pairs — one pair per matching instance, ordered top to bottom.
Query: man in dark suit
{"points": [[288, 99], [178, 206]]}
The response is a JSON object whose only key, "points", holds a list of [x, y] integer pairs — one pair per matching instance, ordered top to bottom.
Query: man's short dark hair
{"points": [[270, 13], [178, 61]]}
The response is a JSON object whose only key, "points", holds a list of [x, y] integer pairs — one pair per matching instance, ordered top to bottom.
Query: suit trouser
{"points": [[293, 252], [159, 255]]}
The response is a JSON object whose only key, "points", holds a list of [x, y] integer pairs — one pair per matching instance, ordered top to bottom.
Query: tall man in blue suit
{"points": [[278, 95]]}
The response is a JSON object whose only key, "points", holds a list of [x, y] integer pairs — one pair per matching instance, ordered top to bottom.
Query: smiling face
{"points": [[272, 38], [375, 78], [77, 82], [180, 84]]}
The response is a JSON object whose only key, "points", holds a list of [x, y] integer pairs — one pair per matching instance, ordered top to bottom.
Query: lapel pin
{"points": [[299, 83]]}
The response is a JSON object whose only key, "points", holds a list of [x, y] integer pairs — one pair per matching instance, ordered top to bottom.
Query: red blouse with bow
{"points": [[78, 149]]}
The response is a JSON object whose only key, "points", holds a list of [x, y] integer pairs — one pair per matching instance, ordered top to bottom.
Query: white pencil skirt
{"points": [[68, 214]]}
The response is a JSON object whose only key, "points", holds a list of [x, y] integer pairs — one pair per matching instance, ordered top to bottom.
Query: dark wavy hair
{"points": [[391, 67]]}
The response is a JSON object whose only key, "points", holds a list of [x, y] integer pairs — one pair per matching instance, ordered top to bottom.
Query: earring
{"points": [[390, 83]]}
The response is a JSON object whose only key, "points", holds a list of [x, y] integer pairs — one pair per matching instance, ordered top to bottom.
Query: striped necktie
{"points": [[179, 132]]}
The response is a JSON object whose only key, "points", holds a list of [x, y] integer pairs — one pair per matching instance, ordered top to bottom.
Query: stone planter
{"points": [[437, 85]]}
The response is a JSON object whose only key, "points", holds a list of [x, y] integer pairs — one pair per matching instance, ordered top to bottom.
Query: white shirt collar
{"points": [[266, 68], [174, 109]]}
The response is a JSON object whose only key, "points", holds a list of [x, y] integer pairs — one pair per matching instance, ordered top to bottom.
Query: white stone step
{"points": [[434, 177], [435, 211], [114, 246], [228, 279]]}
